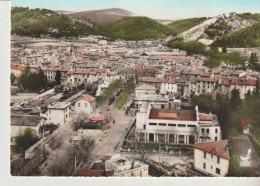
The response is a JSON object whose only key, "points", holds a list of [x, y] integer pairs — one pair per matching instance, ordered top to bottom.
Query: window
{"points": [[78, 104], [86, 105], [162, 106], [153, 124], [162, 124], [172, 125], [181, 125], [191, 125], [144, 126], [202, 130], [207, 130], [216, 130], [216, 138], [205, 154], [211, 155], [218, 160], [204, 165], [217, 170]]}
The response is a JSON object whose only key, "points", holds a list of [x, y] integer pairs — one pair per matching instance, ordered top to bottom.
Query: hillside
{"points": [[102, 17], [37, 22], [185, 24], [139, 28], [209, 30], [246, 37]]}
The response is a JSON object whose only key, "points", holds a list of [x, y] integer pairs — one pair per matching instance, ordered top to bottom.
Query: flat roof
{"points": [[173, 114]]}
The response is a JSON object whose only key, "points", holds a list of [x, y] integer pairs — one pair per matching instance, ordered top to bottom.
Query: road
{"points": [[113, 135]]}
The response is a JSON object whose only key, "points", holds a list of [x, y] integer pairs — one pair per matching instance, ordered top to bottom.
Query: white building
{"points": [[85, 105], [58, 113], [175, 126], [212, 157], [126, 167]]}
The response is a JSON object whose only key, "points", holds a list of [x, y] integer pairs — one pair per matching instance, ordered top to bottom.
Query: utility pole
{"points": [[159, 155], [75, 165]]}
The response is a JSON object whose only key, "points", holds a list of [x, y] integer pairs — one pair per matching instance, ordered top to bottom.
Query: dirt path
{"points": [[241, 145]]}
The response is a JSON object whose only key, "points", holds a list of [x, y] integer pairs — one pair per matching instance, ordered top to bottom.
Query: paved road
{"points": [[112, 137]]}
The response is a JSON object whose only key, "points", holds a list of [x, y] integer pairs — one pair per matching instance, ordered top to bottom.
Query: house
{"points": [[17, 70], [145, 89], [85, 105], [58, 113], [20, 122], [245, 124], [212, 158], [126, 167]]}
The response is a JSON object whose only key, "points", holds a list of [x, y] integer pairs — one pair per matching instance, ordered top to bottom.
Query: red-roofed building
{"points": [[17, 70], [85, 105], [245, 124], [212, 158]]}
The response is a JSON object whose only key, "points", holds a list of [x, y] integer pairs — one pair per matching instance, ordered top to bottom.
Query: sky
{"points": [[160, 9]]}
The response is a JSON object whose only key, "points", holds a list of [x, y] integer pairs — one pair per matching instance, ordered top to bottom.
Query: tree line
{"points": [[192, 47]]}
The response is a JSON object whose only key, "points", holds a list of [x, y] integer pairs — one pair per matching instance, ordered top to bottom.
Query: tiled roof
{"points": [[178, 58], [18, 67], [111, 73], [212, 79], [156, 80], [243, 82], [87, 98], [171, 114], [205, 117], [97, 118], [245, 122], [218, 148], [95, 173]]}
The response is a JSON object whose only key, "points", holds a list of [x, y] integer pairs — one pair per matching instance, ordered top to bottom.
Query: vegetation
{"points": [[249, 15], [35, 22], [185, 24], [139, 28], [217, 29], [244, 38], [192, 47], [217, 57], [252, 62], [58, 77], [12, 78], [32, 81], [107, 93], [123, 96], [205, 103], [23, 142], [132, 145], [234, 169], [154, 172]]}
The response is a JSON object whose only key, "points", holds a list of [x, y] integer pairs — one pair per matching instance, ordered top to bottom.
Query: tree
{"points": [[224, 50], [253, 58], [12, 77], [58, 78], [235, 100], [204, 102], [24, 141], [143, 150]]}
